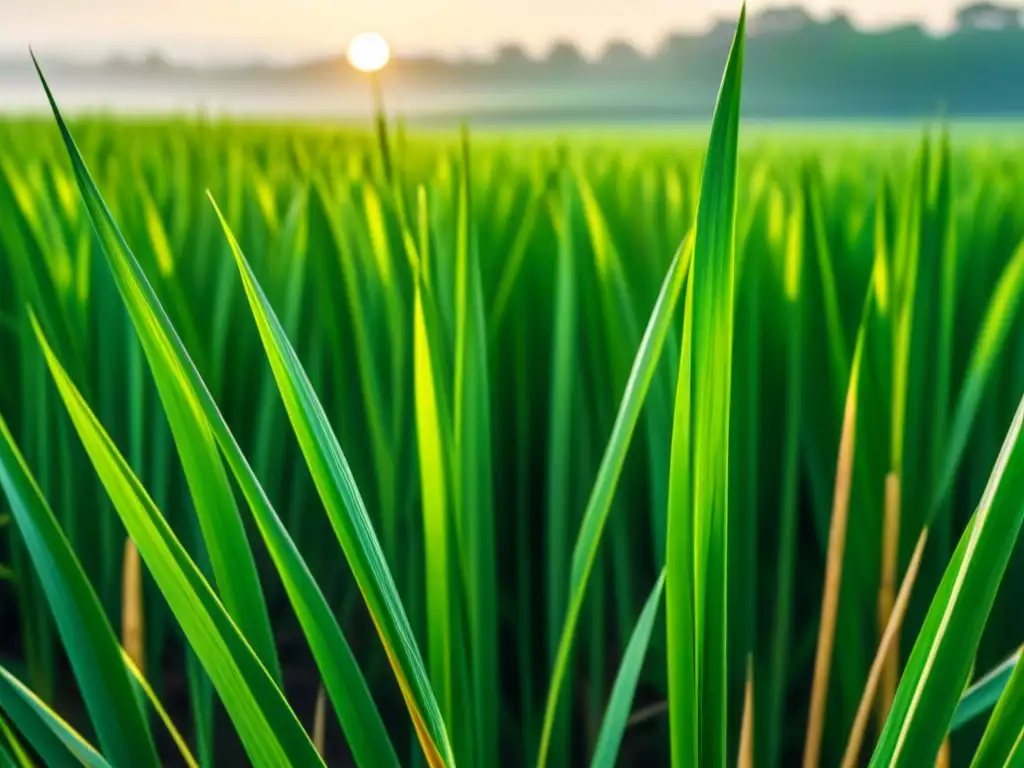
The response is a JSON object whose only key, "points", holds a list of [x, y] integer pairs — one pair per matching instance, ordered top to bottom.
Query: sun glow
{"points": [[369, 52]]}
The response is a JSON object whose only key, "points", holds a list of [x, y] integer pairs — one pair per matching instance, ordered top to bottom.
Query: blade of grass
{"points": [[1002, 308], [173, 367], [474, 473], [698, 498], [789, 502], [596, 514], [436, 515], [348, 516], [558, 516], [230, 555], [87, 635], [141, 682], [983, 695], [925, 701], [616, 716], [268, 728], [1001, 742], [57, 743], [15, 753]]}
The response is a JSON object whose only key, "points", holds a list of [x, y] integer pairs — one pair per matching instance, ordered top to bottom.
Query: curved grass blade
{"points": [[999, 316], [599, 505], [698, 506], [348, 516], [230, 555], [87, 636], [937, 671], [983, 695], [621, 701], [358, 715], [268, 728], [176, 737], [1003, 737], [57, 743], [14, 752]]}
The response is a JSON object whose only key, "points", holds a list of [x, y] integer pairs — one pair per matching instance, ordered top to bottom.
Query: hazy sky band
{"points": [[297, 28]]}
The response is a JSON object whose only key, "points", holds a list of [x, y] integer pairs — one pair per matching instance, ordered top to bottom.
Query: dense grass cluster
{"points": [[532, 390]]}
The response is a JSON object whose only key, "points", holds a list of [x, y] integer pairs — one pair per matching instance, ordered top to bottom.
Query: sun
{"points": [[369, 52]]}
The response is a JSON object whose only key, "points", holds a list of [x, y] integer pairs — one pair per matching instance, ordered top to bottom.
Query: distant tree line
{"points": [[795, 64]]}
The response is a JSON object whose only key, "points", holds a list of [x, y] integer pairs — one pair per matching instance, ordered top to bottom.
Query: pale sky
{"points": [[300, 28]]}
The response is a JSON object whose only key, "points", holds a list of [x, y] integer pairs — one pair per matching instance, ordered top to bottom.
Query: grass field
{"points": [[421, 448]]}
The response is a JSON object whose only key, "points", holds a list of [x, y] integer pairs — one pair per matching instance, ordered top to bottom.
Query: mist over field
{"points": [[800, 66]]}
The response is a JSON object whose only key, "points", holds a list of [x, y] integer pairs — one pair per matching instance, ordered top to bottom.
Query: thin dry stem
{"points": [[833, 580], [887, 593], [899, 611], [132, 630], [649, 712], [320, 721], [745, 758], [944, 759]]}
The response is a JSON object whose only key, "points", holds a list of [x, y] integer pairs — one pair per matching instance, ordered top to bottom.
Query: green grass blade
{"points": [[995, 327], [474, 474], [599, 505], [436, 513], [558, 514], [348, 516], [698, 523], [230, 555], [786, 571], [88, 638], [937, 670], [342, 677], [147, 690], [983, 695], [616, 716], [268, 728], [1004, 734], [57, 743], [15, 753]]}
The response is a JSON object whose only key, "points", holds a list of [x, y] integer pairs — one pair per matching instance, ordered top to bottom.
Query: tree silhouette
{"points": [[988, 15], [620, 54], [564, 56]]}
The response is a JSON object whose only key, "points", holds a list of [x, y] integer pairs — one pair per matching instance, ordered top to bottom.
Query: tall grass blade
{"points": [[174, 370], [474, 472], [698, 500], [599, 505], [437, 515], [348, 516], [231, 558], [87, 635], [937, 671], [983, 695], [616, 716], [268, 728], [57, 743], [1001, 744]]}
